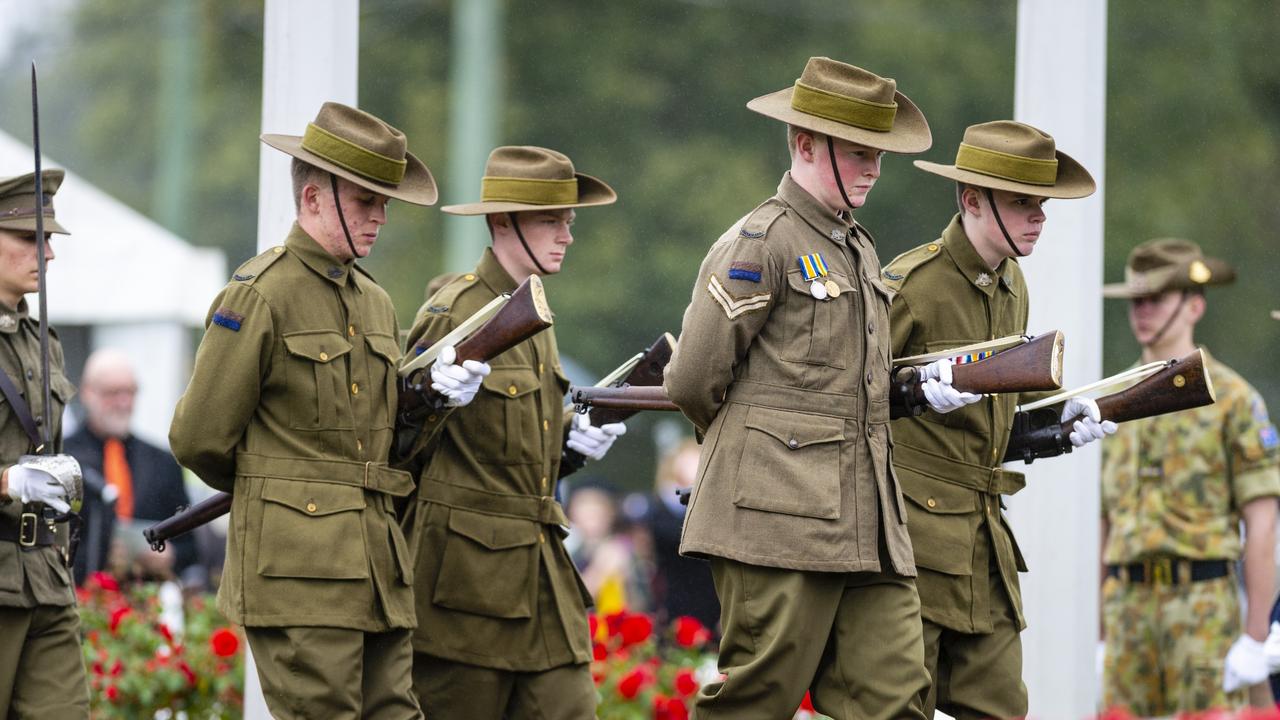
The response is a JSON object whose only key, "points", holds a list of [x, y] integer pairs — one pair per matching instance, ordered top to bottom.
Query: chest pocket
{"points": [[878, 320], [820, 332], [315, 360], [382, 373], [508, 409]]}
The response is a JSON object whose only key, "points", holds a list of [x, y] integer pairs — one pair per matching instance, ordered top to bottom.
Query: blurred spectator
{"points": [[130, 483], [603, 551], [681, 586]]}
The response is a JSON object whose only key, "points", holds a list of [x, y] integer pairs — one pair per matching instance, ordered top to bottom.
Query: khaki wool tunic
{"points": [[791, 393], [290, 408], [949, 464], [36, 576], [495, 587]]}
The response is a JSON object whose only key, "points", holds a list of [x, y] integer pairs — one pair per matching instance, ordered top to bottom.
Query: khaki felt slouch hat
{"points": [[843, 101], [362, 149], [1015, 157], [525, 177], [1165, 264]]}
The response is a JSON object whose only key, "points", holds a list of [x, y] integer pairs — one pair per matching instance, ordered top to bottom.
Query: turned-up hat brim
{"points": [[910, 133], [1073, 181], [417, 186], [591, 191], [1195, 273]]}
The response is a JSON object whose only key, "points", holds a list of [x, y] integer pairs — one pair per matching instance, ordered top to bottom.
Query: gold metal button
{"points": [[933, 247], [278, 250], [469, 276], [351, 330], [324, 357], [541, 368], [1179, 381], [355, 389], [513, 389], [431, 418], [546, 425], [359, 445], [544, 482], [931, 502], [311, 507], [542, 538]]}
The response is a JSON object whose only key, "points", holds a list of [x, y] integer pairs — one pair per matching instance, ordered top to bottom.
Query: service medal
{"points": [[814, 269], [832, 288], [818, 290]]}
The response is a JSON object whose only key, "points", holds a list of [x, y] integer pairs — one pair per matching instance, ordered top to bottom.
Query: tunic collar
{"points": [[832, 226], [961, 251], [317, 258], [493, 274], [11, 318]]}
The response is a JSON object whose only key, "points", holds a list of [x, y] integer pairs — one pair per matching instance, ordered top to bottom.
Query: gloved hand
{"points": [[458, 383], [938, 391], [1091, 426], [592, 441], [29, 484], [1272, 648], [1246, 664]]}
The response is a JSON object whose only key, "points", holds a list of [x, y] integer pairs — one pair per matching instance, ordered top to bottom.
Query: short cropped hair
{"points": [[794, 131], [303, 174]]}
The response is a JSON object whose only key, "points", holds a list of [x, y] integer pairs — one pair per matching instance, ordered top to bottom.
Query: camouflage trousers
{"points": [[1166, 645]]}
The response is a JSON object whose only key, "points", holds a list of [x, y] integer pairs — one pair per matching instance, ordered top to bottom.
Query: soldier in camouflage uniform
{"points": [[1174, 490], [41, 668]]}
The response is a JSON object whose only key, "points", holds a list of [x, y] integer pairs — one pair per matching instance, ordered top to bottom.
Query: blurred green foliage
{"points": [[650, 96]]}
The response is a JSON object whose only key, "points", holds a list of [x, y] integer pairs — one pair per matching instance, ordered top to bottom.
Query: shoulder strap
{"points": [[20, 409]]}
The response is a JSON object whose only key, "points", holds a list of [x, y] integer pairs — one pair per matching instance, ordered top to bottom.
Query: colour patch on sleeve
{"points": [[748, 271], [228, 318], [1267, 436]]}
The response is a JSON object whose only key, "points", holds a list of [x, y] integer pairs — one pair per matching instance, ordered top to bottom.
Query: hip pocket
{"points": [[790, 464], [942, 521], [312, 530], [489, 565]]}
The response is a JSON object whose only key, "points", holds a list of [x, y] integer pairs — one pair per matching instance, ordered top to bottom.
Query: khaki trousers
{"points": [[852, 639], [41, 665], [333, 673], [977, 675], [458, 691]]}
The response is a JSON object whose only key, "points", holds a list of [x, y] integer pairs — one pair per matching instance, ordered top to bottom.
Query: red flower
{"points": [[103, 581], [118, 615], [613, 622], [593, 623], [635, 629], [166, 632], [690, 633], [224, 642], [599, 651], [98, 669], [118, 669], [185, 669], [631, 683], [686, 683], [113, 693], [807, 703], [665, 708], [1270, 713]]}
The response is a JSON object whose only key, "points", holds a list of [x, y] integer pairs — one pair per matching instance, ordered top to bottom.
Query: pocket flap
{"points": [[795, 278], [881, 288], [318, 345], [384, 346], [511, 382], [793, 429], [312, 498], [940, 498], [492, 531]]}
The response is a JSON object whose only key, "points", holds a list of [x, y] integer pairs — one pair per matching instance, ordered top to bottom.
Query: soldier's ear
{"points": [[967, 197], [309, 199]]}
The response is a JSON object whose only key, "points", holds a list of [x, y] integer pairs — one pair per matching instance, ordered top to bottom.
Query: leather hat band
{"points": [[843, 108], [348, 155], [1018, 168], [529, 190]]}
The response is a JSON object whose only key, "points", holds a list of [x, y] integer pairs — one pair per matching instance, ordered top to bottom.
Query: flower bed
{"points": [[139, 667]]}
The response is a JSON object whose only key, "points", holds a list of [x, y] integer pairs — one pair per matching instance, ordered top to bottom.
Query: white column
{"points": [[309, 55], [1060, 87]]}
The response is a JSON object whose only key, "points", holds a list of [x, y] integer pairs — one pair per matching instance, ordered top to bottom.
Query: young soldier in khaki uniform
{"points": [[963, 288], [783, 367], [291, 408], [1174, 490], [502, 623], [41, 667]]}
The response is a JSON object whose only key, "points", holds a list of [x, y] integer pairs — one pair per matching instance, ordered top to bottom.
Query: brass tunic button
{"points": [[933, 247], [278, 250], [469, 276], [351, 330], [324, 357], [541, 368], [355, 389], [513, 390], [431, 418], [546, 425], [793, 443], [359, 445], [544, 482], [931, 502], [311, 507], [542, 538]]}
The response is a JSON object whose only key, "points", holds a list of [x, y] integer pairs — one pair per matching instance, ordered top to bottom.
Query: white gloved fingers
{"points": [[447, 355], [475, 367], [937, 370], [453, 372], [944, 398], [967, 398], [1077, 406], [1109, 428], [614, 429], [595, 433], [57, 504], [1272, 648], [1246, 664]]}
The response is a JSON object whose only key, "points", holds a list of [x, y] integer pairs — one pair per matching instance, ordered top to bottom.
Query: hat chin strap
{"points": [[835, 170], [333, 183], [991, 200], [515, 224], [1167, 323]]}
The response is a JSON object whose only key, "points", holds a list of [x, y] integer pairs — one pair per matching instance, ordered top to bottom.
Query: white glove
{"points": [[458, 383], [938, 391], [1090, 426], [592, 441], [28, 484], [1272, 648], [1246, 664]]}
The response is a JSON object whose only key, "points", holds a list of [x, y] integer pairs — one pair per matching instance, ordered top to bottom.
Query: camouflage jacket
{"points": [[1174, 484]]}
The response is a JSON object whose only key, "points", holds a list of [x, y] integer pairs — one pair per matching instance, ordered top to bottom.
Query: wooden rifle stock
{"points": [[524, 315], [1033, 365], [646, 373], [1182, 384], [624, 397], [188, 519]]}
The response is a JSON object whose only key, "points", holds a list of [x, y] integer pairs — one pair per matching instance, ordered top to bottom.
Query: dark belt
{"points": [[29, 532], [1170, 571]]}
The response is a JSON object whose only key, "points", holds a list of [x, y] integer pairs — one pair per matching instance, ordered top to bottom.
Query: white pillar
{"points": [[309, 55], [1060, 87]]}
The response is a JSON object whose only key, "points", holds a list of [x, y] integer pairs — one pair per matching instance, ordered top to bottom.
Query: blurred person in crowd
{"points": [[144, 481], [1175, 489], [604, 549], [681, 585]]}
